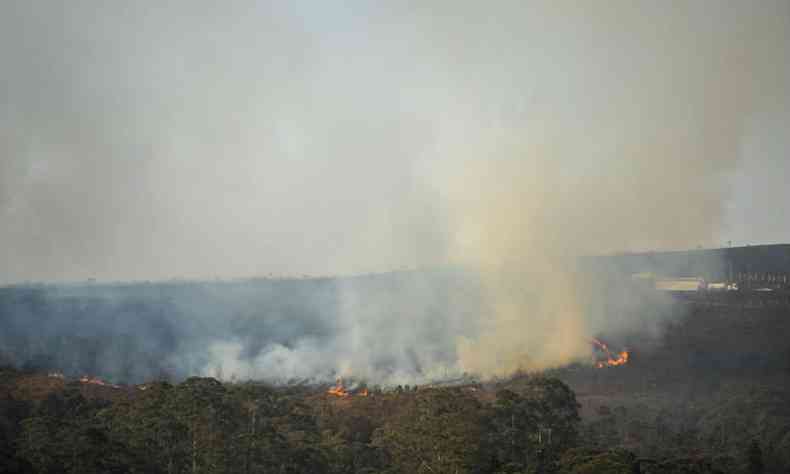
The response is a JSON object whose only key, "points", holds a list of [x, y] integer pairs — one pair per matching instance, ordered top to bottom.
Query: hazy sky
{"points": [[149, 140]]}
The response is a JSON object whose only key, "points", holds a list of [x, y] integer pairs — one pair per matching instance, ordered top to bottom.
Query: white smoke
{"points": [[148, 141]]}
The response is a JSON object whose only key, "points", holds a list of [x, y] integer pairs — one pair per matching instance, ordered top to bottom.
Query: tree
{"points": [[199, 403], [12, 412], [149, 427], [532, 427], [438, 433], [66, 434], [35, 444], [257, 446]]}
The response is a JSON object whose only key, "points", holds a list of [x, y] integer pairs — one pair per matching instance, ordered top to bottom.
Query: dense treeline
{"points": [[202, 425], [527, 425]]}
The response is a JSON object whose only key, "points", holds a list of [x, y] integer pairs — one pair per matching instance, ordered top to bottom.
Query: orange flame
{"points": [[612, 360], [96, 381], [338, 390]]}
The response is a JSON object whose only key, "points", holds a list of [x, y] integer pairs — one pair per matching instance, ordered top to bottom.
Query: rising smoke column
{"points": [[148, 140], [632, 150]]}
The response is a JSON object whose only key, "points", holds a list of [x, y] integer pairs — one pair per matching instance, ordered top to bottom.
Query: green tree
{"points": [[199, 403], [532, 427], [150, 429], [440, 432], [66, 434], [35, 444], [257, 446]]}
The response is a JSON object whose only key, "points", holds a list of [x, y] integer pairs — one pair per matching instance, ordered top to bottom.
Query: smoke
{"points": [[187, 139], [197, 141], [633, 151], [391, 328], [395, 328]]}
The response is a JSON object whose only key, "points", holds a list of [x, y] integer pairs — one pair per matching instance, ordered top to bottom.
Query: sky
{"points": [[157, 140]]}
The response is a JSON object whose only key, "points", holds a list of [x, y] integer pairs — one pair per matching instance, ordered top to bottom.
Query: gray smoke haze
{"points": [[192, 139], [390, 328]]}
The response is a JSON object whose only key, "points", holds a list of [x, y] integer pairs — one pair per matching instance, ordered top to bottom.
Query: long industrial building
{"points": [[750, 267]]}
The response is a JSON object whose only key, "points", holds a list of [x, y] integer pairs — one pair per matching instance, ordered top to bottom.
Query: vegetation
{"points": [[709, 397], [530, 424], [204, 426]]}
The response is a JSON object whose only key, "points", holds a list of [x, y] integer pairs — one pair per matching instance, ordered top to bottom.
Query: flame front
{"points": [[612, 360], [96, 381], [338, 390]]}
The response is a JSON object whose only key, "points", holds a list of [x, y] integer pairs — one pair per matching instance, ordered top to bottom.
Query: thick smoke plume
{"points": [[187, 139], [637, 155], [391, 328]]}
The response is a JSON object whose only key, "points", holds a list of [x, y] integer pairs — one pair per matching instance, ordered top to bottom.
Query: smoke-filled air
{"points": [[393, 191]]}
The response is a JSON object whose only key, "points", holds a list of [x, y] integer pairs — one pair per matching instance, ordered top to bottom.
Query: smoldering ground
{"points": [[188, 139]]}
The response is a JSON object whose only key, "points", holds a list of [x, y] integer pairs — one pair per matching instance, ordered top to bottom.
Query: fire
{"points": [[612, 359], [96, 381], [339, 390]]}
